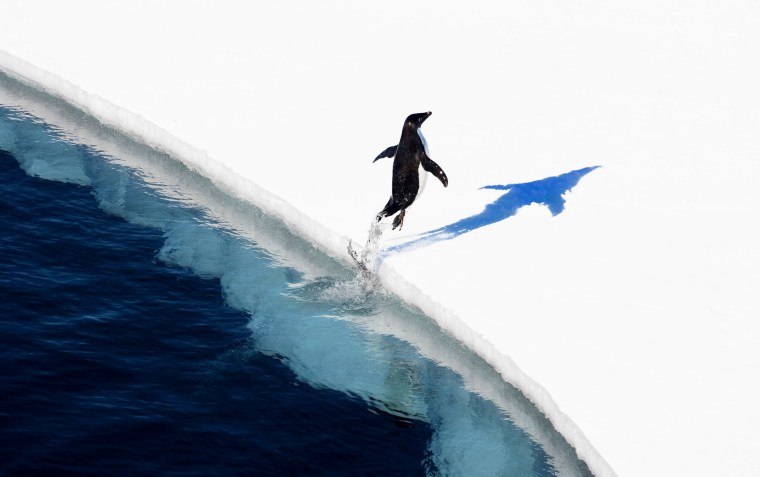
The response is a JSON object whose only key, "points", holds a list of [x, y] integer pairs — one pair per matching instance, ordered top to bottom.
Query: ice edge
{"points": [[329, 241]]}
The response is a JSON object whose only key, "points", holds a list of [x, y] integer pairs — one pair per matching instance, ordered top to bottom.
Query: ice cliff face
{"points": [[305, 307]]}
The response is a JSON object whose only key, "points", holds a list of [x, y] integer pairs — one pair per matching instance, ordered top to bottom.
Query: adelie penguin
{"points": [[410, 163]]}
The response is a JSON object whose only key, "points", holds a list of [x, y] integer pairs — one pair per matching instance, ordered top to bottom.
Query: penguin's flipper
{"points": [[390, 152], [433, 168]]}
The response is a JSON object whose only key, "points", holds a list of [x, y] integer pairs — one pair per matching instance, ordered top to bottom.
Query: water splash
{"points": [[368, 259], [340, 297]]}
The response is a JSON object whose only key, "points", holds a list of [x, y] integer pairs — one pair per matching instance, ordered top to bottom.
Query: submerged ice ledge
{"points": [[332, 243]]}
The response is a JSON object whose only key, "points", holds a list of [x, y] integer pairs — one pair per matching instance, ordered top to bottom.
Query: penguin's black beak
{"points": [[427, 115]]}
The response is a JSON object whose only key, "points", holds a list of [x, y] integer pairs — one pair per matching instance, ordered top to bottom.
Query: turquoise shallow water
{"points": [[163, 326]]}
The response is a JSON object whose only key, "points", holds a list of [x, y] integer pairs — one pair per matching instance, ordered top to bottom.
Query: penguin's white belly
{"points": [[420, 171], [423, 176]]}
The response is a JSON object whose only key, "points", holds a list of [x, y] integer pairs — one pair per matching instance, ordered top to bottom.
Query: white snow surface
{"points": [[631, 318]]}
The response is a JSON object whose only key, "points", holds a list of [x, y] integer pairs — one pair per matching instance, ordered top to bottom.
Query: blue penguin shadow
{"points": [[547, 192]]}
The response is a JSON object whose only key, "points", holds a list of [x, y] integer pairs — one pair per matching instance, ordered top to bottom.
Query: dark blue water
{"points": [[153, 325], [117, 364]]}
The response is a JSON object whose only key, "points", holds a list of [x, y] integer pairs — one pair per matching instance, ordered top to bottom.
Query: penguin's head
{"points": [[416, 120]]}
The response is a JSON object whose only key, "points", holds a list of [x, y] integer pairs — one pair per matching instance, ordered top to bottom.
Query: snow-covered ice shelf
{"points": [[626, 308]]}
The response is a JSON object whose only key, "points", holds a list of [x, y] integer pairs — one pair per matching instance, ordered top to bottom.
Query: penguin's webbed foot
{"points": [[399, 220]]}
